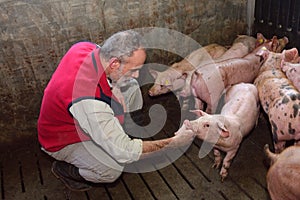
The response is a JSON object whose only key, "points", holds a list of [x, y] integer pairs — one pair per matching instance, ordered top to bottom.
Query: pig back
{"points": [[241, 46], [270, 84], [242, 101]]}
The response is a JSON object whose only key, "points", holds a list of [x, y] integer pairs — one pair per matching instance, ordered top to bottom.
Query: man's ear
{"points": [[114, 63]]}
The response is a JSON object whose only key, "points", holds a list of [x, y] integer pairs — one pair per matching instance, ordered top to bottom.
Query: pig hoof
{"points": [[215, 166], [223, 175], [223, 178]]}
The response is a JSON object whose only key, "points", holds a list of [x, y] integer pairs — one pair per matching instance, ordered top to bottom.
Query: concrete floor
{"points": [[25, 171]]}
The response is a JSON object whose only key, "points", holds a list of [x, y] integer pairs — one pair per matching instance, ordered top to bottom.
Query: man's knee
{"points": [[111, 176]]}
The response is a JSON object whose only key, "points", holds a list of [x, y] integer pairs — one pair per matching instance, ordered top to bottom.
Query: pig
{"points": [[241, 46], [292, 70], [178, 75], [174, 77], [209, 81], [279, 99], [226, 130], [284, 173]]}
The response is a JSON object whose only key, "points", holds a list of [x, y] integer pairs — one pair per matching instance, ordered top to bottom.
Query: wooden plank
{"points": [[29, 174], [170, 174], [251, 174], [179, 185], [137, 186], [12, 187], [52, 187], [159, 188], [227, 189], [118, 190], [98, 192]]}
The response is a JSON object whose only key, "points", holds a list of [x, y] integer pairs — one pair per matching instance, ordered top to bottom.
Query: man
{"points": [[79, 122]]}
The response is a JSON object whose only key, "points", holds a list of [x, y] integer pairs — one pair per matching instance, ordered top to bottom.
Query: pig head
{"points": [[166, 81], [284, 173]]}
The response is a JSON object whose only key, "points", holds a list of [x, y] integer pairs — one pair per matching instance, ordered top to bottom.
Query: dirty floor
{"points": [[25, 171]]}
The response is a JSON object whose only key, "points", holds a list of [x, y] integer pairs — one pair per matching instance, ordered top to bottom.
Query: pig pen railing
{"points": [[280, 18]]}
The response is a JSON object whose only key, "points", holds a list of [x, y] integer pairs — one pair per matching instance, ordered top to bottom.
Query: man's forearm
{"points": [[152, 146]]}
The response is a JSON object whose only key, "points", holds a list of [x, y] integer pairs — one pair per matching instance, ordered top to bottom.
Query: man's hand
{"points": [[182, 137]]}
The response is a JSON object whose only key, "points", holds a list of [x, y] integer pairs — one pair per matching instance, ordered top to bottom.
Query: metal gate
{"points": [[280, 18]]}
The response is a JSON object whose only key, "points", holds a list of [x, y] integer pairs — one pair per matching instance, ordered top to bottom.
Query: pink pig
{"points": [[178, 76], [174, 78], [209, 81], [279, 99], [226, 130], [284, 174]]}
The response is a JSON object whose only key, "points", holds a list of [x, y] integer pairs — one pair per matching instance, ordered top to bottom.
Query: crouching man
{"points": [[80, 116]]}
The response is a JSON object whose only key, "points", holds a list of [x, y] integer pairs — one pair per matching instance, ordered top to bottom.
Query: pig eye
{"points": [[206, 125]]}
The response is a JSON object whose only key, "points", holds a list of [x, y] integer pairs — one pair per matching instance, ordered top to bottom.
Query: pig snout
{"points": [[153, 90]]}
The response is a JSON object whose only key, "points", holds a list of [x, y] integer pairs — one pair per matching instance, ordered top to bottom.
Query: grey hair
{"points": [[121, 45]]}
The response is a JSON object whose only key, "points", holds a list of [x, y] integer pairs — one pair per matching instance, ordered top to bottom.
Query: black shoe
{"points": [[69, 175]]}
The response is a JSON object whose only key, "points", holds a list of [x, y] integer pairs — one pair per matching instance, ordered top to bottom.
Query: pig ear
{"points": [[260, 39], [283, 41], [275, 43], [263, 52], [290, 55], [154, 73], [199, 113], [187, 124], [223, 130]]}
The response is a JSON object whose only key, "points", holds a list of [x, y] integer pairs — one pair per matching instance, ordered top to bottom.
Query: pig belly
{"points": [[284, 175]]}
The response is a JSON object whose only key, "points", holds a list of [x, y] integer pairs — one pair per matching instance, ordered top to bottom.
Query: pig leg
{"points": [[198, 104], [218, 159], [226, 163]]}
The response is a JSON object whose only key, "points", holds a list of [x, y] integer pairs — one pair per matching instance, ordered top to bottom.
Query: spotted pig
{"points": [[279, 99]]}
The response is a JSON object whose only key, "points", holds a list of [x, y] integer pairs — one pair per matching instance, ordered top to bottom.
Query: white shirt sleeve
{"points": [[97, 119]]}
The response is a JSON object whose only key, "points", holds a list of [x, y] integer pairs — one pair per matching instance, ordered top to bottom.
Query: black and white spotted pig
{"points": [[279, 99]]}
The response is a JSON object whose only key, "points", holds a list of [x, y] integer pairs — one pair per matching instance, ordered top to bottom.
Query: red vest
{"points": [[78, 76]]}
